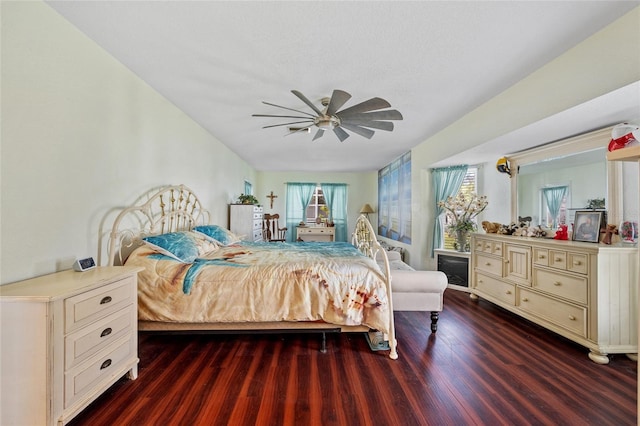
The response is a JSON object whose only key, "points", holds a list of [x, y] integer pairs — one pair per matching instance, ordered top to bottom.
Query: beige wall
{"points": [[82, 135]]}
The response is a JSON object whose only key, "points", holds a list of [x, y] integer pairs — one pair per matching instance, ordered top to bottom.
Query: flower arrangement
{"points": [[247, 199], [461, 210], [629, 231]]}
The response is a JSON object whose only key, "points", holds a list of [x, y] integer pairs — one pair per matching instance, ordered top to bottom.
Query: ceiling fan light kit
{"points": [[359, 118]]}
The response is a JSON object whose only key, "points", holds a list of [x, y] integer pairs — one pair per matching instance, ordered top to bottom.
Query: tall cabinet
{"points": [[245, 220]]}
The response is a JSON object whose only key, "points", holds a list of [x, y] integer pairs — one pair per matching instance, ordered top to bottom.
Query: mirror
{"points": [[580, 164], [583, 174]]}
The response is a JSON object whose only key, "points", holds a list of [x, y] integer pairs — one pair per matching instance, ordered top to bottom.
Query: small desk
{"points": [[315, 233]]}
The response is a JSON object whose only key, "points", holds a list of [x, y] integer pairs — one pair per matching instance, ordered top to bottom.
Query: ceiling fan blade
{"points": [[338, 98], [306, 101], [370, 105], [290, 109], [391, 114], [279, 116], [287, 124], [382, 125], [301, 129], [367, 133], [318, 134], [341, 134]]}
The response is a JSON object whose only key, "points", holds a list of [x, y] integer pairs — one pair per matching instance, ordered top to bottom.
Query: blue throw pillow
{"points": [[219, 234], [185, 246]]}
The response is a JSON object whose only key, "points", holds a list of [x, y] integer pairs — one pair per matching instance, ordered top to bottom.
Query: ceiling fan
{"points": [[359, 118]]}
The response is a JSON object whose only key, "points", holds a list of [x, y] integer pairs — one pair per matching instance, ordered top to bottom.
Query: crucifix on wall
{"points": [[272, 196]]}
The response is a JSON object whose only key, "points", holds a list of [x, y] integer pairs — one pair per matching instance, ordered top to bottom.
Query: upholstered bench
{"points": [[416, 290]]}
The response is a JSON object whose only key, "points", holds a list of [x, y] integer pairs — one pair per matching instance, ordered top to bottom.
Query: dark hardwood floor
{"points": [[483, 366]]}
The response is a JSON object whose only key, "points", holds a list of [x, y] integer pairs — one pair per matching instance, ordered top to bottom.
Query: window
{"points": [[469, 186], [317, 208], [547, 217]]}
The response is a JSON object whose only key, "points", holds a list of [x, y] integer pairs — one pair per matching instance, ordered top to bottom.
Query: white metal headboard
{"points": [[170, 209]]}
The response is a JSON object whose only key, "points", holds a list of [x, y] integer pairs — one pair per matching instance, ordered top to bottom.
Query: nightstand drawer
{"points": [[92, 305], [89, 340], [79, 381]]}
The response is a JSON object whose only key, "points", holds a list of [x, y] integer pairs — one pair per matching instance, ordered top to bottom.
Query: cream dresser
{"points": [[245, 220], [315, 233], [585, 292], [65, 338]]}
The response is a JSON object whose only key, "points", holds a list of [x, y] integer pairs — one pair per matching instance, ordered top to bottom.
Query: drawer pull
{"points": [[541, 256], [558, 259], [577, 262], [487, 264], [557, 283], [507, 292], [524, 299], [105, 300], [572, 318], [107, 331], [105, 364]]}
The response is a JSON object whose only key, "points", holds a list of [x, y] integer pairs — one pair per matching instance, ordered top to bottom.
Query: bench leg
{"points": [[434, 321]]}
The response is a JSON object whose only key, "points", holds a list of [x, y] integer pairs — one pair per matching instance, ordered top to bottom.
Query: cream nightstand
{"points": [[65, 338]]}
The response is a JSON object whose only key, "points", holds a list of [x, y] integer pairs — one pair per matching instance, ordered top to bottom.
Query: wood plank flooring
{"points": [[484, 366]]}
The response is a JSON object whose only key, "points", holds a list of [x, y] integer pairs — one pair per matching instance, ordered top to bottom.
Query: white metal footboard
{"points": [[364, 239]]}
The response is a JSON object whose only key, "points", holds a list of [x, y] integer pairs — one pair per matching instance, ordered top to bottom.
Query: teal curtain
{"points": [[446, 183], [335, 195], [553, 196], [298, 198]]}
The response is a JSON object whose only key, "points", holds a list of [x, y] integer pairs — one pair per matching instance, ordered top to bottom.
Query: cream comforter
{"points": [[264, 282]]}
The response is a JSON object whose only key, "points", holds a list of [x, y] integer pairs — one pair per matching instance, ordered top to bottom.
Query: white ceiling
{"points": [[434, 61]]}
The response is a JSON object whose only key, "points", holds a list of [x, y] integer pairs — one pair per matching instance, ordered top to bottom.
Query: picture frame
{"points": [[587, 225]]}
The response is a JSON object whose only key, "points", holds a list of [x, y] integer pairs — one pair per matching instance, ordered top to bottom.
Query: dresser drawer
{"points": [[487, 246], [540, 256], [558, 259], [578, 262], [488, 264], [567, 286], [502, 291], [87, 307], [565, 315], [89, 340], [79, 381]]}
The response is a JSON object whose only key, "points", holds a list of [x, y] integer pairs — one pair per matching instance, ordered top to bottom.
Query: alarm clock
{"points": [[85, 264]]}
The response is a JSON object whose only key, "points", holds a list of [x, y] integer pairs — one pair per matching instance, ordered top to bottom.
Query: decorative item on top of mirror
{"points": [[624, 135], [628, 232]]}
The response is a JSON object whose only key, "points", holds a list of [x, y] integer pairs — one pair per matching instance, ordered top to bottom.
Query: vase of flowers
{"points": [[461, 211]]}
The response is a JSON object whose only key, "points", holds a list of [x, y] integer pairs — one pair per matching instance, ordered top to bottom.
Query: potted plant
{"points": [[247, 199]]}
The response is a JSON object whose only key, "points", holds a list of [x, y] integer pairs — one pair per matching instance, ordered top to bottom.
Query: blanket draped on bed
{"points": [[264, 282]]}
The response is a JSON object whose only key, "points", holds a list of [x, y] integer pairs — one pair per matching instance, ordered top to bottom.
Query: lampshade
{"points": [[366, 209]]}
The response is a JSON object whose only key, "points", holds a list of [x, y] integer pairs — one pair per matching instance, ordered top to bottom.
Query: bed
{"points": [[198, 276]]}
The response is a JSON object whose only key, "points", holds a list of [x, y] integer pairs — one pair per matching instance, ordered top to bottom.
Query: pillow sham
{"points": [[218, 234], [183, 246]]}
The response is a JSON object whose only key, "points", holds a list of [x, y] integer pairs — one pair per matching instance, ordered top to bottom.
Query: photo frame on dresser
{"points": [[587, 225]]}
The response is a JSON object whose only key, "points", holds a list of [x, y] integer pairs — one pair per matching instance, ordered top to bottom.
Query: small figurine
{"points": [[609, 231], [562, 233]]}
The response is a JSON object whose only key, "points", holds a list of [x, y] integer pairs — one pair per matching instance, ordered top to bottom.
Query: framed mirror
{"points": [[564, 177]]}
